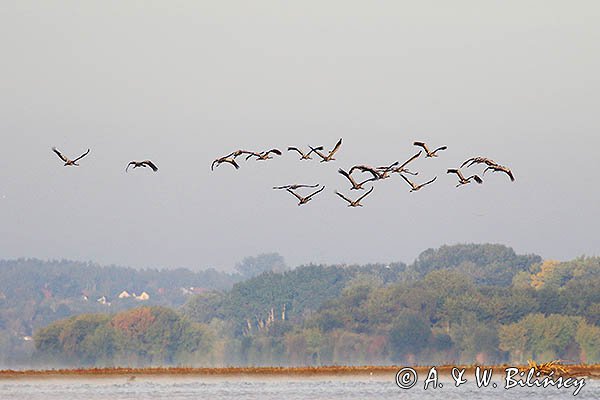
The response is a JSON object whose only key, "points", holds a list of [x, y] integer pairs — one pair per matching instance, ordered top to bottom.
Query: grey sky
{"points": [[182, 82]]}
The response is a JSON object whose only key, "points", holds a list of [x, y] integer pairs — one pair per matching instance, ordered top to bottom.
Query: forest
{"points": [[468, 303]]}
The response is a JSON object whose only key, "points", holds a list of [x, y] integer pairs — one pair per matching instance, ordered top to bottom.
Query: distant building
{"points": [[193, 290], [185, 291], [124, 294], [143, 297], [103, 300]]}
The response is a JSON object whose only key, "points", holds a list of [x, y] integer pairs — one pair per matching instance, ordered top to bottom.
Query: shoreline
{"points": [[589, 371]]}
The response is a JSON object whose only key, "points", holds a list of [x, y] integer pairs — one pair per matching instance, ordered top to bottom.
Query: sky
{"points": [[184, 82]]}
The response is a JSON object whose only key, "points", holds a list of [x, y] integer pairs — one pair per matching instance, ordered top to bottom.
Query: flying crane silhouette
{"points": [[68, 162], [355, 203]]}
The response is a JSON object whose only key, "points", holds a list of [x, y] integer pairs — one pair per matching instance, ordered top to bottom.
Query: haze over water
{"points": [[270, 389]]}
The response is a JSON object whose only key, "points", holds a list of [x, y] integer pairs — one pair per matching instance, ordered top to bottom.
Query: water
{"points": [[346, 388]]}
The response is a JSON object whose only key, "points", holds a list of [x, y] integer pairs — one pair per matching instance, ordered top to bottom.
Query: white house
{"points": [[143, 297], [103, 300]]}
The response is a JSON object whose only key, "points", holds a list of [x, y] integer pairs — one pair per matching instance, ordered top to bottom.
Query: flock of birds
{"points": [[73, 163], [373, 174]]}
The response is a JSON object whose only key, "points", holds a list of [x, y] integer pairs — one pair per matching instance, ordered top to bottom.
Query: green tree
{"points": [[269, 262], [409, 335], [588, 337], [514, 338]]}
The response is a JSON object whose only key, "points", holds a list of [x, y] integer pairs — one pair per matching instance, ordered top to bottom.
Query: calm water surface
{"points": [[259, 388]]}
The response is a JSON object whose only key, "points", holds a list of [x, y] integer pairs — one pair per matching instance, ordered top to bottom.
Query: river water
{"points": [[280, 388]]}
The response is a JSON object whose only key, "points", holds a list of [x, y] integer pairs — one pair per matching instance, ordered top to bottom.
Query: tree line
{"points": [[456, 304]]}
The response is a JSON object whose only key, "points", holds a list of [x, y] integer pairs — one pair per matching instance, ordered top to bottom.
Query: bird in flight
{"points": [[427, 151], [265, 155], [303, 155], [328, 157], [226, 159], [229, 159], [478, 160], [67, 161], [219, 161], [144, 164], [366, 168], [402, 168], [501, 168], [384, 172], [461, 179], [355, 185], [294, 186], [414, 187], [306, 199], [355, 203]]}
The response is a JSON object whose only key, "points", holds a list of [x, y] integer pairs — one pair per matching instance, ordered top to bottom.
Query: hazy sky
{"points": [[182, 82]]}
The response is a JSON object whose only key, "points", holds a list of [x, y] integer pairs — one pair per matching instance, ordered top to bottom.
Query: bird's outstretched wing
{"points": [[423, 145], [335, 148], [440, 148], [295, 149], [313, 150], [274, 151], [316, 151], [238, 153], [59, 154], [252, 154], [81, 156], [410, 159], [470, 160], [478, 160], [219, 161], [128, 165], [151, 165], [366, 168], [388, 168], [501, 168], [504, 169], [457, 172], [510, 174], [347, 175], [476, 178], [367, 180], [428, 182], [412, 185], [295, 186], [318, 191], [366, 194], [296, 195], [343, 197]]}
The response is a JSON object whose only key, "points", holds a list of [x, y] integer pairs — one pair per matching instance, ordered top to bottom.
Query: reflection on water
{"points": [[345, 388]]}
